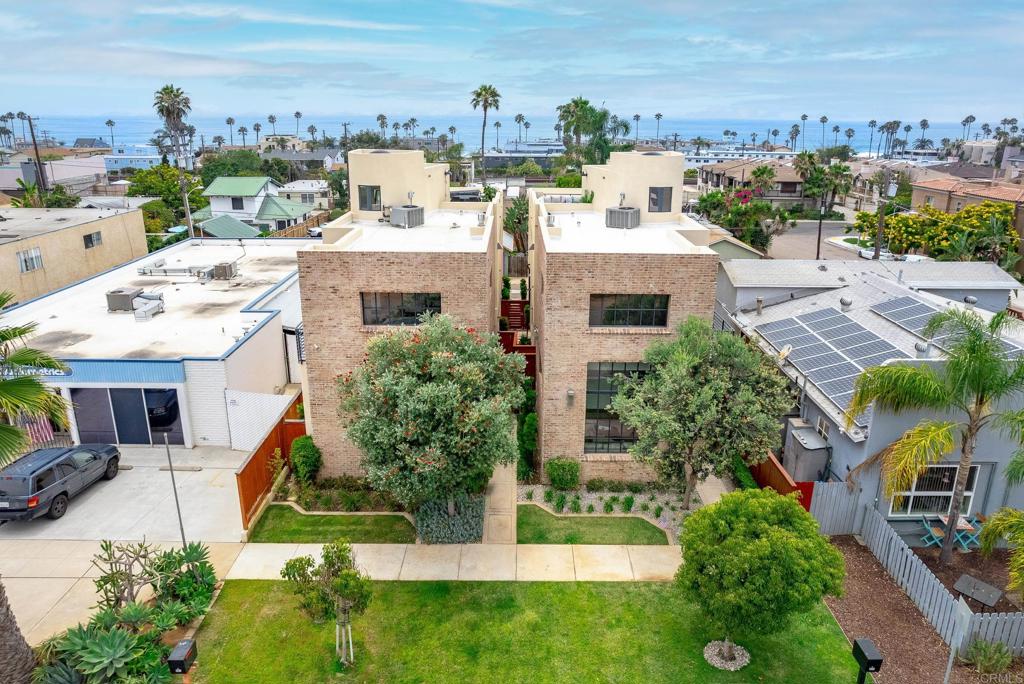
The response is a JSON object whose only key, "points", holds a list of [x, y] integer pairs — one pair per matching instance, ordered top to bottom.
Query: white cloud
{"points": [[246, 14], [389, 49]]}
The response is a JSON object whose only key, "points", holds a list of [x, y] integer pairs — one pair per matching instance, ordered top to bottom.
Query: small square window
{"points": [[369, 198], [660, 200], [237, 204], [93, 240]]}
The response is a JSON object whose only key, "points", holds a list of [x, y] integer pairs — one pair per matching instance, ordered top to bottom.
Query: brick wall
{"points": [[331, 281], [566, 342]]}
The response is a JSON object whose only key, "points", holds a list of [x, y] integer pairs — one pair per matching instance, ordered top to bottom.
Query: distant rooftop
{"points": [[307, 185], [237, 186], [19, 224], [443, 230], [800, 273], [200, 319]]}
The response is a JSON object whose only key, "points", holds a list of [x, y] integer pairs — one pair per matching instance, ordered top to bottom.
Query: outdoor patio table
{"points": [[962, 524], [974, 588]]}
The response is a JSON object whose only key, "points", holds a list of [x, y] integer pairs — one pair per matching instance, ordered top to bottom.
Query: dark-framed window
{"points": [[369, 198], [660, 199], [237, 203], [93, 239], [398, 308], [640, 310], [603, 432]]}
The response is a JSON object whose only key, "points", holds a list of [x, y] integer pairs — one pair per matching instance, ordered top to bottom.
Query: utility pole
{"points": [[675, 141], [39, 162], [881, 216], [821, 217]]}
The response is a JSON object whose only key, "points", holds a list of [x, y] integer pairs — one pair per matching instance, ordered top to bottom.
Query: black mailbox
{"points": [[866, 655], [182, 656]]}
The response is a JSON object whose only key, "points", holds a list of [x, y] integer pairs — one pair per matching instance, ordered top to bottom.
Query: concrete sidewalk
{"points": [[480, 562]]}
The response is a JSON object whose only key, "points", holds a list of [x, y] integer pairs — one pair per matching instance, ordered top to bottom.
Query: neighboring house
{"points": [[276, 142], [91, 143], [543, 152], [980, 152], [137, 157], [320, 158], [695, 160], [1014, 165], [865, 191], [315, 192], [786, 192], [952, 195], [253, 200], [113, 201], [225, 226], [728, 247], [43, 250], [379, 266], [608, 278], [204, 329], [822, 341]]}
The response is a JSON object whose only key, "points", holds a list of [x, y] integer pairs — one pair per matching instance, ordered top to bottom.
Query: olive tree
{"points": [[708, 398], [431, 408], [752, 560]]}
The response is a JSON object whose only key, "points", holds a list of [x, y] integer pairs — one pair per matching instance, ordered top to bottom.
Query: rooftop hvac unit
{"points": [[407, 216], [622, 217], [225, 270], [121, 298], [147, 306]]}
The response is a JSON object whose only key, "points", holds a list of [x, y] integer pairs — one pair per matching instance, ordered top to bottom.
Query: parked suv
{"points": [[43, 481]]}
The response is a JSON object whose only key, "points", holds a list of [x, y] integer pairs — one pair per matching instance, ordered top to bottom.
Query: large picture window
{"points": [[369, 198], [398, 308], [628, 310], [603, 431], [932, 493]]}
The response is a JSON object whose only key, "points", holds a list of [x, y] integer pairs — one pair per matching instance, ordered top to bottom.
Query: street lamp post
{"points": [[821, 217]]}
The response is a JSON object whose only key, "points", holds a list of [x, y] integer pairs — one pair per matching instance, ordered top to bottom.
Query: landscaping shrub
{"points": [[569, 180], [506, 283], [522, 289], [506, 293], [526, 315], [503, 323], [524, 338], [527, 446], [306, 459], [524, 469], [564, 473], [741, 473], [345, 493], [529, 495], [549, 495], [560, 502], [627, 504], [576, 506], [609, 506], [590, 508], [657, 511], [435, 526], [988, 657]]}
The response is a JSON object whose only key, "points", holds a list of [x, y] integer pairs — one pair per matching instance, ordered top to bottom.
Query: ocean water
{"points": [[138, 129]]}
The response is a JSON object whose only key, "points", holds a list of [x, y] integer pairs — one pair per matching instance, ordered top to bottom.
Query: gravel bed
{"points": [[670, 520], [713, 654]]}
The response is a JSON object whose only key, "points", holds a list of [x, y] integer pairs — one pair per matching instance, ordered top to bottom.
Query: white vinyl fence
{"points": [[835, 508]]}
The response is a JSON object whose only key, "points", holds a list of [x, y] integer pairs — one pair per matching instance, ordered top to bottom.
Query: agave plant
{"points": [[134, 617], [108, 656], [58, 672]]}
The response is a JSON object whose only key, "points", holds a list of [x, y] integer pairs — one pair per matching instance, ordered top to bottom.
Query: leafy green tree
{"points": [[173, 106], [230, 163], [529, 168], [338, 180], [162, 181], [157, 216], [516, 220], [22, 392], [965, 392], [708, 397], [431, 408], [753, 560]]}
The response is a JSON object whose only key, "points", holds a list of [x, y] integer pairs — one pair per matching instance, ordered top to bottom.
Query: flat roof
{"points": [[19, 224], [443, 230], [585, 232], [800, 273], [199, 319]]}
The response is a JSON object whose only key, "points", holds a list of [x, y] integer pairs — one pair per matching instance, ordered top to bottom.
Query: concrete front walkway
{"points": [[500, 507], [480, 562]]}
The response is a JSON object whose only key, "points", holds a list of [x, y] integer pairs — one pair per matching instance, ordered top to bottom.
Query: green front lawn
{"points": [[285, 524], [536, 526], [502, 632]]}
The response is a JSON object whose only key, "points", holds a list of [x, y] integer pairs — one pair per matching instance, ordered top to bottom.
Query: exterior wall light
{"points": [[570, 396]]}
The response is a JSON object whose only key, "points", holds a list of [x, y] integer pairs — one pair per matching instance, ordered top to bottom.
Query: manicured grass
{"points": [[285, 524], [536, 526], [502, 632]]}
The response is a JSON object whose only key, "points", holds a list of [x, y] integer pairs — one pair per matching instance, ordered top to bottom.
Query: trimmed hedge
{"points": [[306, 459], [564, 473], [741, 473], [435, 526]]}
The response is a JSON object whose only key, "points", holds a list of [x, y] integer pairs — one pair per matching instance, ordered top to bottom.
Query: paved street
{"points": [[799, 243]]}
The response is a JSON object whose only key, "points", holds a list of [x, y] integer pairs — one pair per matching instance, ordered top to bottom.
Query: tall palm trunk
{"points": [[483, 160], [182, 184], [967, 444], [16, 657]]}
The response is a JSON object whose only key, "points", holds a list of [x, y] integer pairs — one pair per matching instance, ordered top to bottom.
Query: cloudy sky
{"points": [[879, 59]]}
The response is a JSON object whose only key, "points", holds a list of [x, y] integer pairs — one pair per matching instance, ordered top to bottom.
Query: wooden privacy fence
{"points": [[770, 473], [255, 476], [834, 506]]}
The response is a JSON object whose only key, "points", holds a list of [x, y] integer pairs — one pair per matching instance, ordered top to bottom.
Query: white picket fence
{"points": [[835, 508]]}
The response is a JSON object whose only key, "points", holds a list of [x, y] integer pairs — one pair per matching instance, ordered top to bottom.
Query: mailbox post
{"points": [[868, 658]]}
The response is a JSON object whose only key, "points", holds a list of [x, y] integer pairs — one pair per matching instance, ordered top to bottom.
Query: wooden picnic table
{"points": [[974, 588]]}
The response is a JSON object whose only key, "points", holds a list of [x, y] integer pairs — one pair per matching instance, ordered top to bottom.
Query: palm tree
{"points": [[485, 97], [173, 105], [297, 115], [22, 117], [519, 119], [970, 119], [272, 120], [823, 120], [230, 121], [636, 121], [110, 123], [413, 123], [382, 124], [871, 124], [395, 126], [657, 126], [924, 126], [407, 127], [526, 127], [256, 128], [311, 129], [242, 130], [497, 130], [558, 130], [987, 130], [835, 131], [451, 132], [794, 133], [849, 133], [775, 136], [803, 137], [906, 137], [753, 139], [218, 140], [700, 142], [804, 163], [763, 178], [969, 387], [22, 392]]}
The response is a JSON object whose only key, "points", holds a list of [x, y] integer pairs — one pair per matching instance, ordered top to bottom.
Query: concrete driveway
{"points": [[139, 502]]}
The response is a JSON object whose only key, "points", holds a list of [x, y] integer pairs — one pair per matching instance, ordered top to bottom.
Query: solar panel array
{"points": [[913, 315], [831, 350]]}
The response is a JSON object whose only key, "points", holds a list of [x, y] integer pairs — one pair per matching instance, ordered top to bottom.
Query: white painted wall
{"points": [[258, 365], [205, 382], [251, 415]]}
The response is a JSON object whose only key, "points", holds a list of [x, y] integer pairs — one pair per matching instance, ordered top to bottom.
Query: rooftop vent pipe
{"points": [[622, 199], [970, 301], [846, 303], [760, 305], [922, 350]]}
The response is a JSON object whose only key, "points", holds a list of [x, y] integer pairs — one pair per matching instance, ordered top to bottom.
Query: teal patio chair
{"points": [[933, 535], [967, 538]]}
